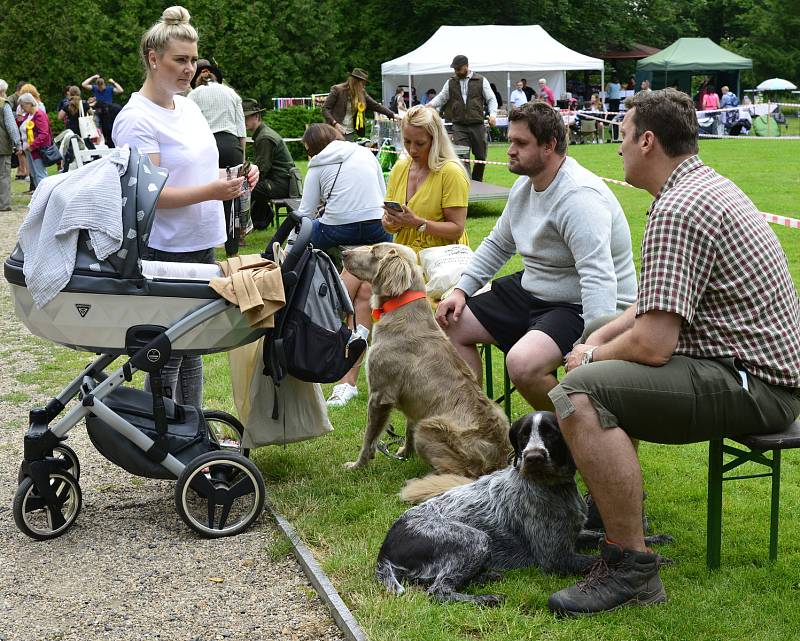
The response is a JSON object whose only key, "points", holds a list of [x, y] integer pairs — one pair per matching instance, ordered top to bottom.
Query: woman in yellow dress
{"points": [[430, 185], [432, 188]]}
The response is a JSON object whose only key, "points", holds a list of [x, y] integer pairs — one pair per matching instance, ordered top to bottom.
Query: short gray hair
{"points": [[3, 86], [27, 99]]}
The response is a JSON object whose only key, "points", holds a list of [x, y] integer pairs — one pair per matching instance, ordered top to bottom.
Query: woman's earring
{"points": [[154, 66]]}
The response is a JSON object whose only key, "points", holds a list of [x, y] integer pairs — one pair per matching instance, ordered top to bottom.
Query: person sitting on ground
{"points": [[347, 103], [279, 176], [432, 189], [575, 245], [706, 352]]}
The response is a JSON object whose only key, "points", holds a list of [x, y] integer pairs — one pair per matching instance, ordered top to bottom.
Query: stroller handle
{"points": [[303, 226]]}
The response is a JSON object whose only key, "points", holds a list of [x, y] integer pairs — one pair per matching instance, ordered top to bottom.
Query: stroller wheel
{"points": [[226, 431], [64, 452], [219, 494], [41, 521]]}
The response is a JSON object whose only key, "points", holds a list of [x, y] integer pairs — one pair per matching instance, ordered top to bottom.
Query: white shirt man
{"points": [[518, 96]]}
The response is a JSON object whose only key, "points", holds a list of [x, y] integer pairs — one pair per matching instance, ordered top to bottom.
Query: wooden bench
{"points": [[759, 445], [763, 449]]}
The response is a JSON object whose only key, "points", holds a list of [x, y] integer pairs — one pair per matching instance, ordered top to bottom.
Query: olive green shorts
{"points": [[685, 401]]}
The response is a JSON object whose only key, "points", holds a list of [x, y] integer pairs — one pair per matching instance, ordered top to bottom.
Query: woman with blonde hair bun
{"points": [[158, 121], [430, 185]]}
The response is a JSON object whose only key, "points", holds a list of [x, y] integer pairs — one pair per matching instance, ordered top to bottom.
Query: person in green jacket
{"points": [[279, 176]]}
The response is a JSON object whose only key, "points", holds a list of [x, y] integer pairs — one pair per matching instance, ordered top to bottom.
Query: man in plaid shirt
{"points": [[710, 349]]}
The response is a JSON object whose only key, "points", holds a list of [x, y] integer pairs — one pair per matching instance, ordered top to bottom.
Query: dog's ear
{"points": [[393, 276], [519, 434]]}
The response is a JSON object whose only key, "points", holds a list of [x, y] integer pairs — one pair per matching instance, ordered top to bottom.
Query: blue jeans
{"points": [[36, 169], [367, 232], [182, 374]]}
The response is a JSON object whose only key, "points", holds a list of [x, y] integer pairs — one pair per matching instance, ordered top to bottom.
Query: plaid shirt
{"points": [[222, 108], [709, 256]]}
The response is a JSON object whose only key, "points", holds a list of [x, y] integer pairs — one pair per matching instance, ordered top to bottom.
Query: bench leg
{"points": [[487, 360], [506, 390], [775, 505], [714, 515]]}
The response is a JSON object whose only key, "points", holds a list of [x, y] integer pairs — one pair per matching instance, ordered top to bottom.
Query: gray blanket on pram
{"points": [[62, 205]]}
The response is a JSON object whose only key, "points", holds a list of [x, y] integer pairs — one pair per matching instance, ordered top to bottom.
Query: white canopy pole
{"points": [[508, 91], [410, 93]]}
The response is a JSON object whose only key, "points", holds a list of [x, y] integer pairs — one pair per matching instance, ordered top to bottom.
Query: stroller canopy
{"points": [[141, 185]]}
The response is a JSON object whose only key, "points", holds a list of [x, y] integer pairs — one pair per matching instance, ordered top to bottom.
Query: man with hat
{"points": [[465, 98], [347, 103], [222, 108], [279, 177]]}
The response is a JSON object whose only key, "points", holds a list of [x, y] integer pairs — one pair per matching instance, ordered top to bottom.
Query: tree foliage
{"points": [[296, 47]]}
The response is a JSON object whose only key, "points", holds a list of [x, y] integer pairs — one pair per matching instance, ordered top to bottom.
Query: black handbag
{"points": [[50, 154]]}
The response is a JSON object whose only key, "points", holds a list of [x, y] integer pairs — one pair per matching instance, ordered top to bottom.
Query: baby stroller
{"points": [[112, 308]]}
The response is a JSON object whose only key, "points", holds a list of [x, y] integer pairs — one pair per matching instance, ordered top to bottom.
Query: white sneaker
{"points": [[342, 394]]}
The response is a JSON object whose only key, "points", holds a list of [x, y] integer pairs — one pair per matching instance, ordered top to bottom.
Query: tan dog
{"points": [[412, 366]]}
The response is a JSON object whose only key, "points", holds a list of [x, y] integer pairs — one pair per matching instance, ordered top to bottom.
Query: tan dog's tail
{"points": [[419, 490]]}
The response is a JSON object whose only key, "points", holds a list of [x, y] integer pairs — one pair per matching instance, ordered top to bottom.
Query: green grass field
{"points": [[343, 516]]}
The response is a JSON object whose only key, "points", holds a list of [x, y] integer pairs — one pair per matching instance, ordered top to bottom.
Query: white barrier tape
{"points": [[723, 137], [775, 219]]}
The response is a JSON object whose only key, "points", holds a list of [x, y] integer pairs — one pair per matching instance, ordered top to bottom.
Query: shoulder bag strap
{"points": [[334, 182]]}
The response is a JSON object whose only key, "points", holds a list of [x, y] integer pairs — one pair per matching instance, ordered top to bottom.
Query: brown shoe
{"points": [[618, 578]]}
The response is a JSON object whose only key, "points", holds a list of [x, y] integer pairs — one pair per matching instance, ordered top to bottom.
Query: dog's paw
{"points": [[404, 452], [354, 465], [489, 600]]}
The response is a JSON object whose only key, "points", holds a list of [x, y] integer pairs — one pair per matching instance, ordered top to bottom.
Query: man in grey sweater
{"points": [[575, 246]]}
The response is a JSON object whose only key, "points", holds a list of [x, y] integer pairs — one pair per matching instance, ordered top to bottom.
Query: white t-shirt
{"points": [[188, 150]]}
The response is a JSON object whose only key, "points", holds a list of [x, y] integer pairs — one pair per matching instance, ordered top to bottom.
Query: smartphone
{"points": [[393, 205]]}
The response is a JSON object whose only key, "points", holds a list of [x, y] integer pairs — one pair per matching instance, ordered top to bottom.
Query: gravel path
{"points": [[129, 568]]}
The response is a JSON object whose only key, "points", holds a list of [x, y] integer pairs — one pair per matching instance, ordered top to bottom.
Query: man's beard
{"points": [[533, 169]]}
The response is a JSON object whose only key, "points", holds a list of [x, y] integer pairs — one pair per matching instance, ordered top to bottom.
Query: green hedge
{"points": [[291, 123]]}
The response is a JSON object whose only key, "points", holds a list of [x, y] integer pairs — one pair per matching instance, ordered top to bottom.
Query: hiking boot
{"points": [[342, 394], [595, 522], [618, 578]]}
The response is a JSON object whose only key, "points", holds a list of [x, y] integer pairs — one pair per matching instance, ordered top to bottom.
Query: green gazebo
{"points": [[686, 57]]}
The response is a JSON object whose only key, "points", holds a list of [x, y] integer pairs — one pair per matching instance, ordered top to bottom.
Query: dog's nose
{"points": [[535, 456]]}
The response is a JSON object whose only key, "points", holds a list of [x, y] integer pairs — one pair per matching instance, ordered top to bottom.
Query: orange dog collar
{"points": [[393, 303]]}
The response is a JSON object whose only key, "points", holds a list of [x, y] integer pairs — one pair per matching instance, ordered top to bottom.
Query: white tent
{"points": [[501, 53]]}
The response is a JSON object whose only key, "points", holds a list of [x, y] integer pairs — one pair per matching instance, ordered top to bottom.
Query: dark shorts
{"points": [[508, 312], [685, 401]]}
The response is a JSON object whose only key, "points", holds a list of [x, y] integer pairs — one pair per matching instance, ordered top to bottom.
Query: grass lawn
{"points": [[343, 516]]}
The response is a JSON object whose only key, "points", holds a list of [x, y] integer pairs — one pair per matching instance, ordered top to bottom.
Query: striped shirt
{"points": [[222, 108], [709, 256]]}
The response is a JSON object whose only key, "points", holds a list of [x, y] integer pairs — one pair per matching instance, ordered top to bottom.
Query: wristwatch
{"points": [[421, 228], [586, 357]]}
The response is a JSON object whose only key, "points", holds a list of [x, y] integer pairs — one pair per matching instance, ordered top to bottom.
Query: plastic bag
{"points": [[387, 156], [443, 267], [303, 413]]}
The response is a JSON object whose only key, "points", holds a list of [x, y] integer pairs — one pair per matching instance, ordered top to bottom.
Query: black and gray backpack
{"points": [[311, 340]]}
